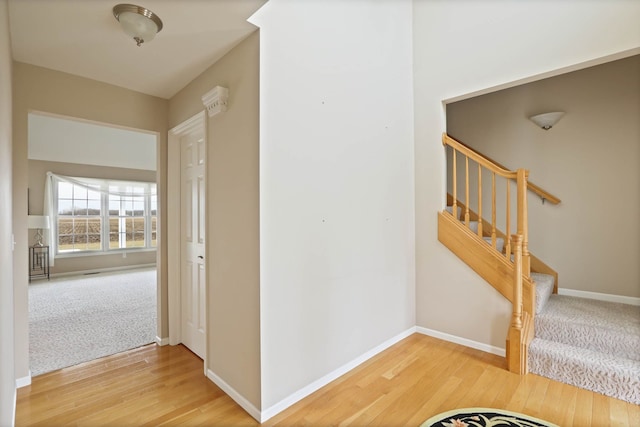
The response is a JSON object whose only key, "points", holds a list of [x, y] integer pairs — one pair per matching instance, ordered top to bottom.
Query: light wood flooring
{"points": [[404, 385]]}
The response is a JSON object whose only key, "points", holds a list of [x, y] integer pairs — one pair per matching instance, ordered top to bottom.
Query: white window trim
{"points": [[104, 215]]}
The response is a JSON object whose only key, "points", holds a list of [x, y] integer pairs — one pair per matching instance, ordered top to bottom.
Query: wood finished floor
{"points": [[404, 385]]}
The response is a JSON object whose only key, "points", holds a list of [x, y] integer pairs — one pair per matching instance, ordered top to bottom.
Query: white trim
{"points": [[215, 101], [196, 123], [192, 124], [173, 235], [119, 251], [102, 270], [599, 296], [162, 341], [462, 341], [24, 381], [321, 382], [237, 397], [15, 405]]}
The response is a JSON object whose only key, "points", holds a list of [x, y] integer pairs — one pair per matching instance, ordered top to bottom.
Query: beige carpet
{"points": [[77, 319]]}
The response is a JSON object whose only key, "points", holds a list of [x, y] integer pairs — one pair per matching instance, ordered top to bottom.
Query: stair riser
{"points": [[609, 328], [602, 340], [618, 378]]}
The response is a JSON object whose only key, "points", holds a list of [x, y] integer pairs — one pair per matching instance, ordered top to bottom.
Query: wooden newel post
{"points": [[516, 317], [516, 353]]}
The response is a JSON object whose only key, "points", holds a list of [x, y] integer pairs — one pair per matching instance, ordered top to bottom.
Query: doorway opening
{"points": [[95, 184]]}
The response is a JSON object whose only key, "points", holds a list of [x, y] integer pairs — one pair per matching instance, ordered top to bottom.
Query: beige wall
{"points": [[44, 90], [590, 159], [37, 173], [232, 207], [7, 377]]}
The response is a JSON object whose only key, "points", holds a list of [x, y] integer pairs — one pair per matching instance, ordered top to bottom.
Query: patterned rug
{"points": [[484, 417]]}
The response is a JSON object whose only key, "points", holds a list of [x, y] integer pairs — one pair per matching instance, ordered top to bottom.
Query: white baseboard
{"points": [[102, 270], [599, 296], [162, 341], [462, 341], [24, 381], [321, 382], [237, 397], [15, 405]]}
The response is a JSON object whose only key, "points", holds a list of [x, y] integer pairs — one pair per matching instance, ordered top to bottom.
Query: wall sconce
{"points": [[138, 22], [547, 120], [39, 223]]}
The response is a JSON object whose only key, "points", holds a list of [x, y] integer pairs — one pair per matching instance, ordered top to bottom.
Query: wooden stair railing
{"points": [[519, 177], [544, 195], [537, 264], [509, 275]]}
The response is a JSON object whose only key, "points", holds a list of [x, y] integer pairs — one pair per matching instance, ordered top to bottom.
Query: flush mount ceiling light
{"points": [[138, 22], [547, 120]]}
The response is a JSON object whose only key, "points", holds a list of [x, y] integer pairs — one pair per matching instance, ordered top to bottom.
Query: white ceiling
{"points": [[82, 37]]}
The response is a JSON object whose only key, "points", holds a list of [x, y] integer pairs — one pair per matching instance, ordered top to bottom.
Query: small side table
{"points": [[38, 262]]}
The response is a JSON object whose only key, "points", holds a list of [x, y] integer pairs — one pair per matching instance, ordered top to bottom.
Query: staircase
{"points": [[587, 343]]}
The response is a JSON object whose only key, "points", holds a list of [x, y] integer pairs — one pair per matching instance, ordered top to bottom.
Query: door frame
{"points": [[196, 123]]}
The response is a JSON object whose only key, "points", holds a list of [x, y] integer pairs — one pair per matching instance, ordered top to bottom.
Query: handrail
{"points": [[478, 158], [497, 167], [543, 194]]}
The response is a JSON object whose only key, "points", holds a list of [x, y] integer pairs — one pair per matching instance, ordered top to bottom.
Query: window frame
{"points": [[150, 191]]}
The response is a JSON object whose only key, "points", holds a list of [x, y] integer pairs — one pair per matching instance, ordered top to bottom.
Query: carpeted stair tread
{"points": [[450, 210], [473, 226], [499, 243], [544, 289], [607, 327], [613, 376]]}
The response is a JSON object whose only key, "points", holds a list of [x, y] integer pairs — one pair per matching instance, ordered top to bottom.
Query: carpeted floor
{"points": [[77, 319]]}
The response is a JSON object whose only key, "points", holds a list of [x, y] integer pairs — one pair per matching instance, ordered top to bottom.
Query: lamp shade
{"points": [[138, 22], [138, 26], [547, 120], [38, 222]]}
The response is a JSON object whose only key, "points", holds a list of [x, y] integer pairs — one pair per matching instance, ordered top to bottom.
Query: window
{"points": [[104, 215], [79, 218]]}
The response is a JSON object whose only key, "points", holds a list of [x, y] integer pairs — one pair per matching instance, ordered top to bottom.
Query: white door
{"points": [[193, 277]]}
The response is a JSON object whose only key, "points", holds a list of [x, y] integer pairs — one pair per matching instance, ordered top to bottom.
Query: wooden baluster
{"points": [[466, 192], [479, 200], [520, 200], [493, 209], [454, 211], [522, 218], [508, 242], [526, 256]]}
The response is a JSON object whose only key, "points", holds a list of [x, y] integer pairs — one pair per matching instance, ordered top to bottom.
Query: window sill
{"points": [[120, 252]]}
